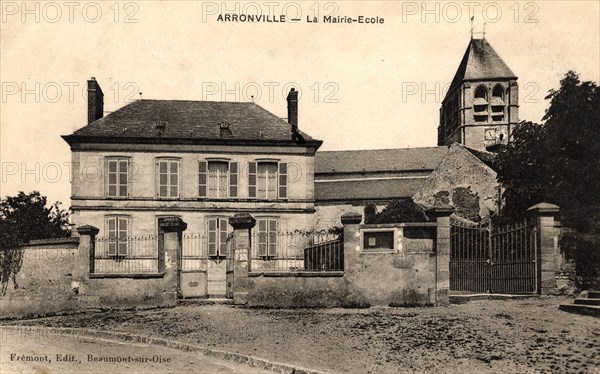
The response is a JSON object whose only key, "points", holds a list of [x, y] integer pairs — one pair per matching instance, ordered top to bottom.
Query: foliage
{"points": [[557, 162], [399, 211], [23, 218]]}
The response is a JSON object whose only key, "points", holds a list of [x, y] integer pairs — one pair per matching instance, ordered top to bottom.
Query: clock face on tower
{"points": [[490, 134]]}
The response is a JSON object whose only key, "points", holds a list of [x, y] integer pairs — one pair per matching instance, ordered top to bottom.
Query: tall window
{"points": [[498, 103], [480, 104], [117, 176], [168, 178], [218, 179], [267, 180], [117, 228], [218, 229], [267, 237]]}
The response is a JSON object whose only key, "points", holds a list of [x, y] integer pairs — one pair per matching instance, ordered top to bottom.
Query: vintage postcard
{"points": [[299, 186]]}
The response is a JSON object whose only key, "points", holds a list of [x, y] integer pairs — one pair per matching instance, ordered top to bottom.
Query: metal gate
{"points": [[494, 259]]}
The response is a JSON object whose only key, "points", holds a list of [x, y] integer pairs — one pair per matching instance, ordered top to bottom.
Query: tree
{"points": [[558, 162], [23, 218]]}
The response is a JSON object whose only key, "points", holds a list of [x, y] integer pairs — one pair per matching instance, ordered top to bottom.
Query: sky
{"points": [[363, 86]]}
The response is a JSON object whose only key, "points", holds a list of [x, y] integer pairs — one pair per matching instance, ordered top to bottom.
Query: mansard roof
{"points": [[481, 62], [162, 120], [378, 160]]}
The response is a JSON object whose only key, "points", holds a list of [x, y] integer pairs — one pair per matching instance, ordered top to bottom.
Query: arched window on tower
{"points": [[480, 104], [498, 104]]}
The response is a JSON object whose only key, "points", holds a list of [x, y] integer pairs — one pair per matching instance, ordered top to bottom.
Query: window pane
{"points": [[112, 166], [123, 166], [163, 166], [174, 166], [283, 168], [112, 178], [123, 178], [163, 179], [173, 180], [112, 190], [123, 191], [163, 191], [173, 192], [112, 248], [122, 248]]}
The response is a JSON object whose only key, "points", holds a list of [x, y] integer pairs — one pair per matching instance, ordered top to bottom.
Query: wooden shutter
{"points": [[112, 170], [163, 176], [123, 178], [203, 178], [174, 179], [233, 179], [252, 179], [283, 190], [123, 231], [112, 236], [212, 236], [223, 236], [262, 237], [272, 250]]}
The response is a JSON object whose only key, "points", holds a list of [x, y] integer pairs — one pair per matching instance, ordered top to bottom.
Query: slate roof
{"points": [[480, 61], [192, 120], [487, 158], [377, 160], [367, 189]]}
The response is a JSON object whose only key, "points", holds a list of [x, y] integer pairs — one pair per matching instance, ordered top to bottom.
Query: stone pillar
{"points": [[441, 212], [242, 224], [173, 227], [351, 236], [550, 258], [84, 261]]}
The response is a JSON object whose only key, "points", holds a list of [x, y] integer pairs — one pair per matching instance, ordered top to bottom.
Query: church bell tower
{"points": [[482, 105]]}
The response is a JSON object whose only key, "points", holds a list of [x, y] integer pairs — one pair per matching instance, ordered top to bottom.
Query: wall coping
{"points": [[241, 221], [172, 224], [394, 225], [88, 230], [297, 274]]}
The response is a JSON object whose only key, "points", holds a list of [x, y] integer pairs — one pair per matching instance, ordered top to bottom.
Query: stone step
{"points": [[587, 301], [589, 310]]}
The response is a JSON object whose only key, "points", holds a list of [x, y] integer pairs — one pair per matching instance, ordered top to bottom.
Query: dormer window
{"points": [[498, 104], [480, 105]]}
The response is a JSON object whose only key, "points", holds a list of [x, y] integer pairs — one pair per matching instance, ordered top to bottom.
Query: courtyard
{"points": [[508, 336]]}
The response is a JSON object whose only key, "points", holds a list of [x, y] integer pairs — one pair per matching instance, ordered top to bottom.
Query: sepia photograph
{"points": [[299, 186]]}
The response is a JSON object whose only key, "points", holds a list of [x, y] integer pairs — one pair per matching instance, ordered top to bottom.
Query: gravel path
{"points": [[509, 336]]}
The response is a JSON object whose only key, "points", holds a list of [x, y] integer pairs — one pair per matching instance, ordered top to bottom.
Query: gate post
{"points": [[442, 213], [242, 224], [172, 227], [549, 260], [85, 261]]}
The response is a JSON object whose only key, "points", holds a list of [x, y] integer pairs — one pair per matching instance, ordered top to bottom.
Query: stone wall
{"points": [[464, 182], [45, 282]]}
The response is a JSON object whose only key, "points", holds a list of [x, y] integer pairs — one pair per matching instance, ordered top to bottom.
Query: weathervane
{"points": [[472, 28]]}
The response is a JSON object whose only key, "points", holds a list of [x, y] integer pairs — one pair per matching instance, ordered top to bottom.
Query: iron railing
{"points": [[296, 252], [130, 255]]}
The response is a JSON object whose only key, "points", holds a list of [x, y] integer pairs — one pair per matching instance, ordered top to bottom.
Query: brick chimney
{"points": [[95, 101], [292, 107]]}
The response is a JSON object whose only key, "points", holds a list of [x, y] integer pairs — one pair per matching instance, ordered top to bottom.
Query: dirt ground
{"points": [[490, 336]]}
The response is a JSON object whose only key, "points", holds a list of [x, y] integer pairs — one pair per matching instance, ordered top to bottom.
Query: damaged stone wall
{"points": [[464, 182]]}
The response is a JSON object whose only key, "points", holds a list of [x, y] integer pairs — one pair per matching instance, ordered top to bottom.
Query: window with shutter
{"points": [[117, 176], [168, 178], [266, 181], [218, 230], [118, 232], [267, 237]]}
